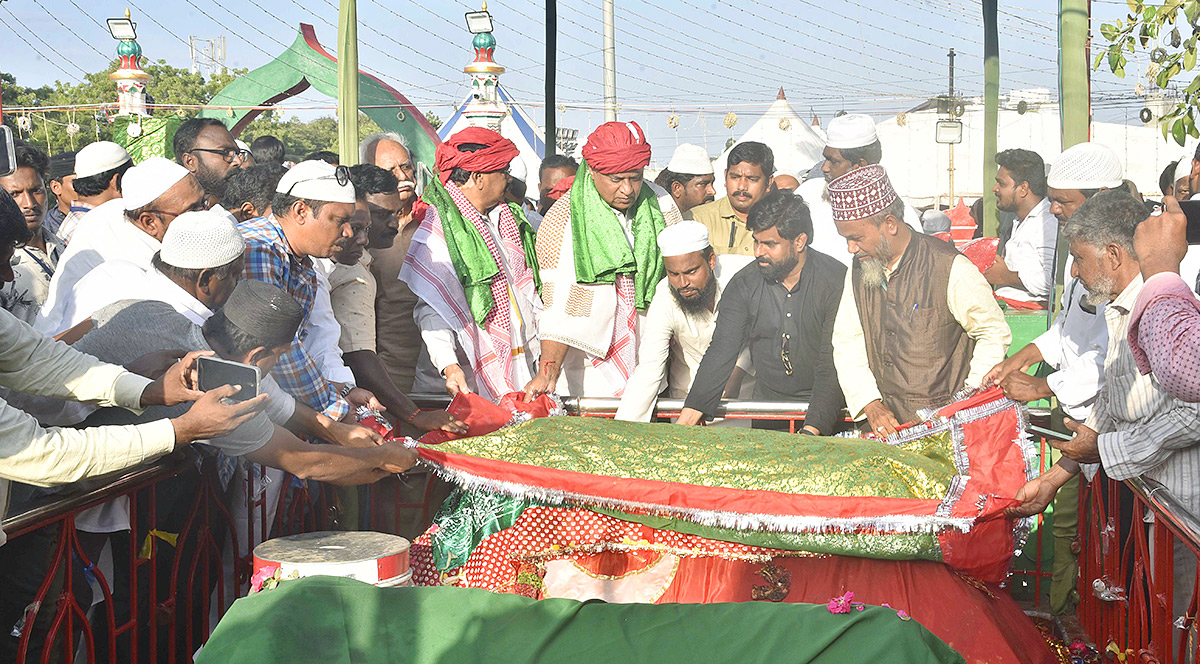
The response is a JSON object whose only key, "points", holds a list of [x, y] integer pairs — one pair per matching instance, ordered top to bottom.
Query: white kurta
{"points": [[104, 235], [825, 237], [1030, 253], [324, 332], [670, 335], [439, 336], [1075, 345], [579, 376]]}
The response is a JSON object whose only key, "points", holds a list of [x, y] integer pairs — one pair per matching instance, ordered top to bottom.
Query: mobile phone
{"points": [[8, 158], [1191, 210], [215, 372]]}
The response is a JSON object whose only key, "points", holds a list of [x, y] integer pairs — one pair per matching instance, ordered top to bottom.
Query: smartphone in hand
{"points": [[216, 372]]}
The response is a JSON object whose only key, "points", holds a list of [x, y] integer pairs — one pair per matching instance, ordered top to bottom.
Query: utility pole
{"points": [[610, 64], [551, 71], [347, 79], [953, 108]]}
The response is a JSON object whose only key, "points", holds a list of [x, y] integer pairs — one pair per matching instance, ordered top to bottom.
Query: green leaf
{"points": [[1134, 5], [1149, 13], [1189, 58], [1178, 132]]}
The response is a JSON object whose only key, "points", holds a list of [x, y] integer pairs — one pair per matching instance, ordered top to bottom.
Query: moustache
{"points": [[405, 184], [740, 194], [709, 199]]}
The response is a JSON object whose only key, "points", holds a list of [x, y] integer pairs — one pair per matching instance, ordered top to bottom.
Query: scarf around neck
{"points": [[601, 250], [469, 254]]}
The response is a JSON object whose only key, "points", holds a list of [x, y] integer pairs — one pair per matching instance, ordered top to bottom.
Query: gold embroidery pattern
{"points": [[579, 302]]}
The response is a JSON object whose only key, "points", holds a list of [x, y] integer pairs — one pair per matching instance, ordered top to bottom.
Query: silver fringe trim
{"points": [[899, 523]]}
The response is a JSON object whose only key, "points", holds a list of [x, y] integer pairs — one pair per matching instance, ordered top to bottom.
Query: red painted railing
{"points": [[174, 590]]}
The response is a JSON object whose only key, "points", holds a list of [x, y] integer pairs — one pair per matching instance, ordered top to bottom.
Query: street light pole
{"points": [[610, 64], [551, 73]]}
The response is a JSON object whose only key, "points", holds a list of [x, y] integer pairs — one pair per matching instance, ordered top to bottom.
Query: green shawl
{"points": [[601, 251], [469, 253]]}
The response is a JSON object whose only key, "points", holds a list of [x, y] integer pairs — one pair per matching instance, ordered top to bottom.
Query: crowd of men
{"points": [[349, 289]]}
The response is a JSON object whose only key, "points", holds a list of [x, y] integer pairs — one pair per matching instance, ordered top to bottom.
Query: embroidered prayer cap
{"points": [[853, 130], [617, 147], [495, 155], [98, 157], [690, 159], [62, 165], [1086, 166], [1182, 170], [150, 179], [317, 180], [561, 187], [861, 193], [685, 237], [200, 240], [264, 309]]}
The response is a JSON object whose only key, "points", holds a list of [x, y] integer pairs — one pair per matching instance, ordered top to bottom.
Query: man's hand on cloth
{"points": [[1018, 363], [1020, 386], [881, 418], [438, 420], [1038, 492]]}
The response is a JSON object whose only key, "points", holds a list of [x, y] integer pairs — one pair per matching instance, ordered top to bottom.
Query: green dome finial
{"points": [[484, 40], [129, 48]]}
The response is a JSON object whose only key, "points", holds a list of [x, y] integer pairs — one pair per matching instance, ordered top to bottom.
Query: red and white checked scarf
{"points": [[498, 322], [622, 352]]}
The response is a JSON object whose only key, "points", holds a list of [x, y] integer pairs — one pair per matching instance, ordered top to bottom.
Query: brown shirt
{"points": [[727, 233], [397, 338]]}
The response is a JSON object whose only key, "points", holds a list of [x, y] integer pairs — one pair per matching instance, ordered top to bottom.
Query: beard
{"points": [[212, 182], [874, 268], [772, 271], [1100, 292], [702, 303]]}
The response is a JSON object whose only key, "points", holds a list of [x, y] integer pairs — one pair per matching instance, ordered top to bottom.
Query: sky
{"points": [[697, 59]]}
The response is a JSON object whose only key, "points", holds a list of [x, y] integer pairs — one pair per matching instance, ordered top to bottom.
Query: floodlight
{"points": [[478, 22], [122, 28], [948, 131]]}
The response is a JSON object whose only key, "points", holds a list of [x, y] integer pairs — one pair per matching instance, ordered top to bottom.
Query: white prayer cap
{"points": [[853, 130], [241, 145], [98, 157], [690, 159], [1086, 166], [1183, 169], [517, 170], [149, 180], [316, 181], [935, 221], [682, 238], [200, 240]]}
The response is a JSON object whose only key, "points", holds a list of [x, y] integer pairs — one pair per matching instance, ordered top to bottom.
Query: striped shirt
{"points": [[1143, 429]]}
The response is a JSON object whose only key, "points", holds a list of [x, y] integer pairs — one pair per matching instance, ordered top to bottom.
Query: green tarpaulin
{"points": [[341, 621]]}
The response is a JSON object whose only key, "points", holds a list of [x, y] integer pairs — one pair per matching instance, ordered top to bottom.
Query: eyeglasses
{"points": [[226, 153], [340, 173], [203, 205], [785, 355]]}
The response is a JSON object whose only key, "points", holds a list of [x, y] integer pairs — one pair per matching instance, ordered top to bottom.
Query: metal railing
{"points": [[173, 589]]}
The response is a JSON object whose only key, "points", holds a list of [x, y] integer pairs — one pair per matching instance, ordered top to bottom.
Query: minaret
{"points": [[131, 80], [485, 108]]}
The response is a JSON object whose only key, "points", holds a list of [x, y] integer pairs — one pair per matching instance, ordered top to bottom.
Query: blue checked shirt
{"points": [[269, 258]]}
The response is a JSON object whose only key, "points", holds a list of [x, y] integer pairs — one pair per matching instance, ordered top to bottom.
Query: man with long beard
{"points": [[783, 310], [680, 321], [917, 321]]}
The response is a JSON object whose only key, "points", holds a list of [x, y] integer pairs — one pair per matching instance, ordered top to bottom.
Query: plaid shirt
{"points": [[270, 259]]}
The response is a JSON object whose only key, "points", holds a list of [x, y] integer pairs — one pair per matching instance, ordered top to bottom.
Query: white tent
{"points": [[517, 127], [791, 138], [918, 165]]}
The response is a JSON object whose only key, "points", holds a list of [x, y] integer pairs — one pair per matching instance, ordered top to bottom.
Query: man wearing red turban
{"points": [[598, 253], [471, 266]]}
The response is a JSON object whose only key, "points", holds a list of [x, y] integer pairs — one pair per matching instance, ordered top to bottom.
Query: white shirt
{"points": [[106, 236], [825, 238], [1030, 253], [324, 331], [670, 334], [439, 337], [1075, 345]]}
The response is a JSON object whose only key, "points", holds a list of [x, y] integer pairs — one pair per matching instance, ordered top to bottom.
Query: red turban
{"points": [[617, 147], [497, 154], [561, 187]]}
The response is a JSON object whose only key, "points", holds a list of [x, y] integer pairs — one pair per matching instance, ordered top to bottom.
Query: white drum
{"points": [[375, 558]]}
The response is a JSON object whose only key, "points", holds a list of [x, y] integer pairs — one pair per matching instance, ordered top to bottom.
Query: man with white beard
{"points": [[917, 322]]}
